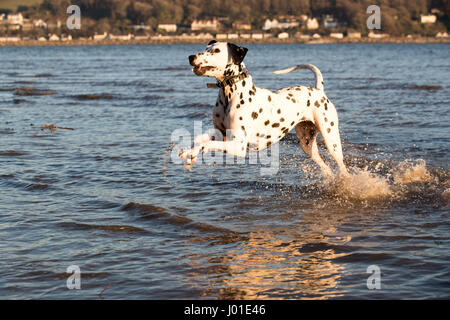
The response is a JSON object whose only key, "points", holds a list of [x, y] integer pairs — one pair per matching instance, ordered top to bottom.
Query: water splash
{"points": [[411, 171], [361, 184]]}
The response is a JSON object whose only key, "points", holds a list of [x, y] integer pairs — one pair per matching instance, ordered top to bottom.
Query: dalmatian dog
{"points": [[253, 118]]}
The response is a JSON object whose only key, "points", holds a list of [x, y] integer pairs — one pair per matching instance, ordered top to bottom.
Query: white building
{"points": [[14, 18], [429, 18], [329, 22], [40, 24], [205, 24], [275, 24], [312, 24], [168, 27], [336, 35], [354, 35], [257, 36], [53, 37], [98, 37]]}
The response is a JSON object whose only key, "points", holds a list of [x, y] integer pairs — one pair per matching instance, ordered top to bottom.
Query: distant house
{"points": [[15, 18], [429, 18], [330, 22], [40, 24], [270, 24], [275, 24], [312, 24], [197, 25], [242, 25], [141, 27], [168, 27], [283, 35], [336, 35], [354, 35], [377, 35], [221, 36], [233, 36], [257, 36], [302, 36], [53, 37], [66, 37], [99, 37], [119, 37], [9, 39]]}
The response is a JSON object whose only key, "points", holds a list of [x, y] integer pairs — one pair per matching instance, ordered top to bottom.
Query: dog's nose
{"points": [[191, 59]]}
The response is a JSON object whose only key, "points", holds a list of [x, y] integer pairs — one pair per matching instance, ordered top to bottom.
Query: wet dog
{"points": [[255, 118]]}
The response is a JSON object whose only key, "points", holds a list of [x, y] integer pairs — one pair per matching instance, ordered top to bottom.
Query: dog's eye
{"points": [[215, 51]]}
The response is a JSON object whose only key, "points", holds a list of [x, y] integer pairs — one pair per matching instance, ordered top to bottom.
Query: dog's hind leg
{"points": [[327, 123], [307, 133]]}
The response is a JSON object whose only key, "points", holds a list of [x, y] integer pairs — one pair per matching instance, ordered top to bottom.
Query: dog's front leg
{"points": [[203, 143]]}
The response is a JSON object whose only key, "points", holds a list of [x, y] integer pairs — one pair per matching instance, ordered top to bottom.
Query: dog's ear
{"points": [[211, 42], [237, 53]]}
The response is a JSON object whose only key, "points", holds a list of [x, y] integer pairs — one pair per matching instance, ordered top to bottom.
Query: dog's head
{"points": [[217, 59]]}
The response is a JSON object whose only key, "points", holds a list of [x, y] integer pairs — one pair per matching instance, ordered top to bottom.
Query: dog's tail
{"points": [[313, 68]]}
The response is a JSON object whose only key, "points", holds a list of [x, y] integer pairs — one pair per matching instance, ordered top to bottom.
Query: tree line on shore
{"points": [[399, 17]]}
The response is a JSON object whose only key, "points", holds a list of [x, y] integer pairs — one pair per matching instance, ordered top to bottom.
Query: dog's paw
{"points": [[190, 156]]}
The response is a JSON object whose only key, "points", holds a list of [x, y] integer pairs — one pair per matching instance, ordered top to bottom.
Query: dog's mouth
{"points": [[201, 70]]}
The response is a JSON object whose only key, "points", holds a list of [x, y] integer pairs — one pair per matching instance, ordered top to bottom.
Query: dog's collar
{"points": [[228, 81]]}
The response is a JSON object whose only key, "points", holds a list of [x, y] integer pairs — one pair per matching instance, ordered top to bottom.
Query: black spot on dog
{"points": [[243, 83], [241, 96], [269, 98], [249, 99], [293, 100], [242, 101], [308, 103], [317, 104], [238, 106], [326, 107], [260, 110], [279, 111], [254, 115], [240, 118], [281, 119], [267, 122], [292, 123], [332, 123], [275, 125], [328, 130], [268, 137], [269, 143]]}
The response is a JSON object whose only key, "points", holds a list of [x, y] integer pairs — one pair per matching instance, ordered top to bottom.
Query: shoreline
{"points": [[153, 41]]}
